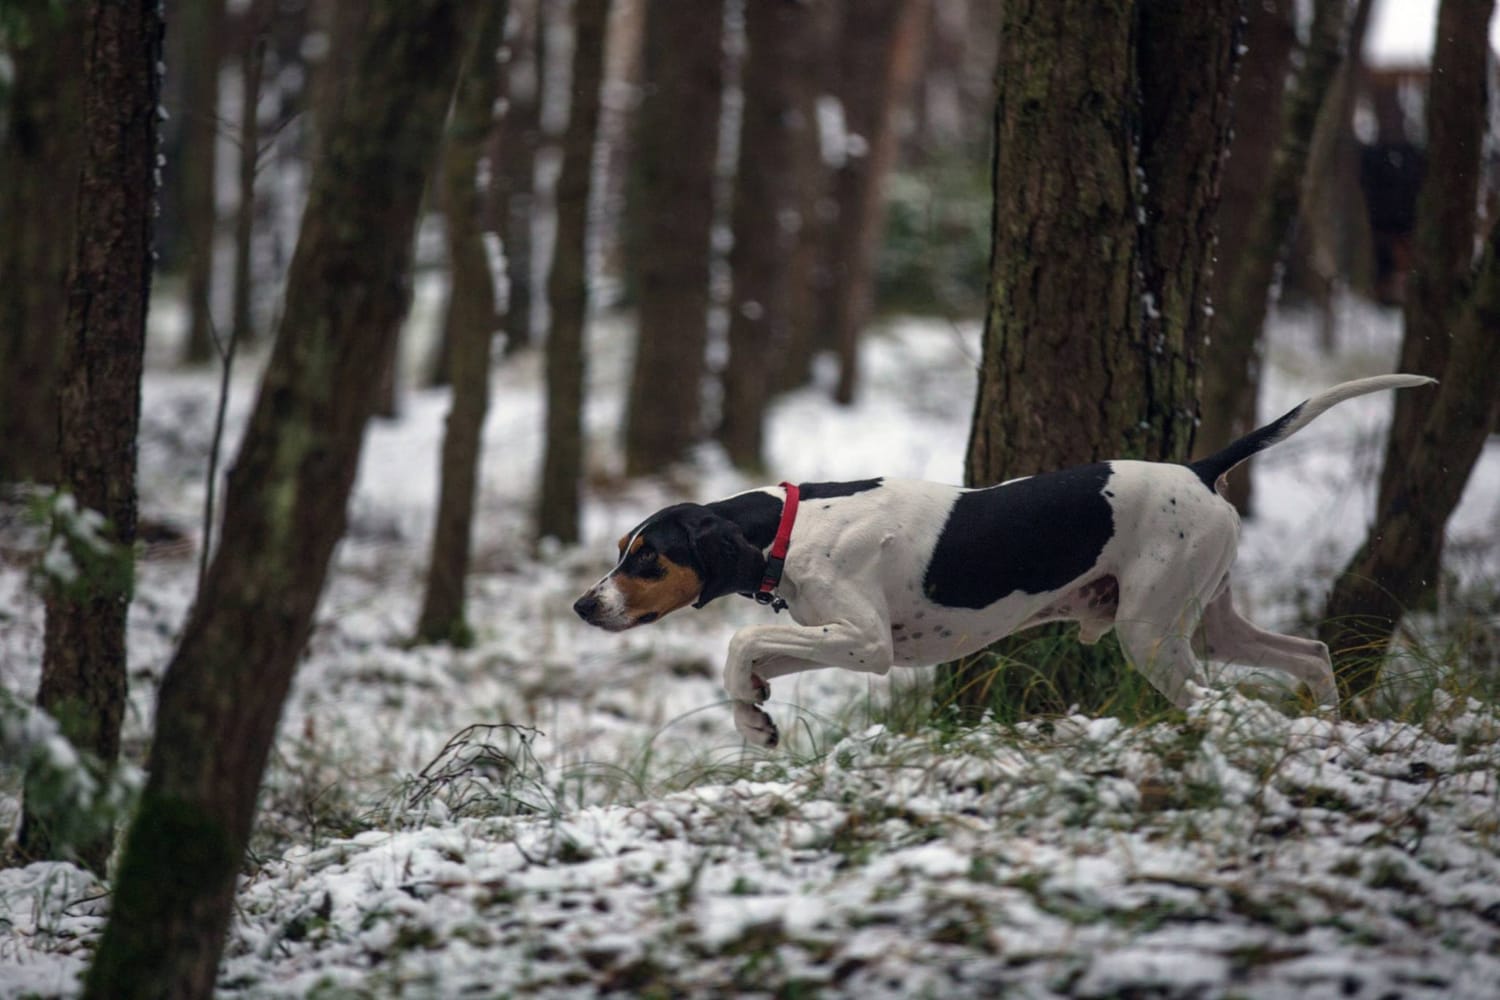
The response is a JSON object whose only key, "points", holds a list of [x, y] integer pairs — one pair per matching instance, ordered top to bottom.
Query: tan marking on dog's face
{"points": [[677, 586]]}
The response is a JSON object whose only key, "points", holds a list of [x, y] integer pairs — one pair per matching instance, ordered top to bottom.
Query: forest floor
{"points": [[561, 811]]}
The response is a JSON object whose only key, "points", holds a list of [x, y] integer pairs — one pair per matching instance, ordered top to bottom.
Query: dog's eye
{"points": [[643, 564]]}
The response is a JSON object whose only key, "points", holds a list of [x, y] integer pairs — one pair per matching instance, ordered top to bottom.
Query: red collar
{"points": [[776, 561]]}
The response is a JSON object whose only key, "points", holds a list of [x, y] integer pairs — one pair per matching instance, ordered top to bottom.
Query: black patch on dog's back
{"points": [[1034, 535]]}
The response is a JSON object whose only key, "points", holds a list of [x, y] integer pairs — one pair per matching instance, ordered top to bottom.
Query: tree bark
{"points": [[202, 25], [1270, 36], [881, 49], [252, 71], [775, 125], [1185, 134], [676, 145], [40, 147], [515, 166], [1443, 240], [1336, 247], [811, 259], [1099, 273], [567, 285], [472, 322], [1230, 393], [1440, 436], [285, 509], [1387, 574], [83, 665]]}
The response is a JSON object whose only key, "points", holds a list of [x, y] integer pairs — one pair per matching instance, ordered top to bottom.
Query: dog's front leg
{"points": [[761, 652]]}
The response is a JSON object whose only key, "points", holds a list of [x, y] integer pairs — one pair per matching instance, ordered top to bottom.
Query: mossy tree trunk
{"points": [[775, 126], [677, 141], [39, 156], [1443, 240], [1099, 272], [109, 285], [567, 285], [471, 323], [1453, 333], [1229, 391], [285, 509]]}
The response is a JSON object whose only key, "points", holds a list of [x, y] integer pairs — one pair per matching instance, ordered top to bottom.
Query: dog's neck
{"points": [[757, 513]]}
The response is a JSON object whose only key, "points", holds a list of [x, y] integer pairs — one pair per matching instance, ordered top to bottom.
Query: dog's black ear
{"points": [[728, 562]]}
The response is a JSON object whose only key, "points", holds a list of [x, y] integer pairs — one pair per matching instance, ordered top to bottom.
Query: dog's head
{"points": [[685, 554]]}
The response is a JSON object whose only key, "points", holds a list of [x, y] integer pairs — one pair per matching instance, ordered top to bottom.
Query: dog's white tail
{"points": [[1211, 468]]}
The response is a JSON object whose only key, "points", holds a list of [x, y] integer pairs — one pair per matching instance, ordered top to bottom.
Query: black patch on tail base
{"points": [[1211, 468], [1035, 535]]}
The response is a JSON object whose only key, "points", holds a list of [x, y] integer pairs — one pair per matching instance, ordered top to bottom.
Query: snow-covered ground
{"points": [[627, 841]]}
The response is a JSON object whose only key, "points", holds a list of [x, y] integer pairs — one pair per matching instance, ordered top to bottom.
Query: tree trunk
{"points": [[202, 24], [1270, 35], [881, 49], [252, 67], [334, 86], [1457, 104], [774, 126], [1185, 134], [520, 137], [676, 144], [39, 155], [470, 214], [1337, 246], [811, 258], [1099, 275], [567, 285], [472, 320], [1230, 393], [1439, 437], [285, 509], [1388, 573], [83, 665]]}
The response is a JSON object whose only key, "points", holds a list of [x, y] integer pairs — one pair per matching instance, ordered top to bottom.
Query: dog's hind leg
{"points": [[1156, 619], [1229, 638], [1163, 656]]}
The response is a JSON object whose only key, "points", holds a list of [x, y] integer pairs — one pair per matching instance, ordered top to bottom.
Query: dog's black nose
{"points": [[586, 606]]}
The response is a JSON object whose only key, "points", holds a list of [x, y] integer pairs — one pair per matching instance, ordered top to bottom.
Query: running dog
{"points": [[886, 572]]}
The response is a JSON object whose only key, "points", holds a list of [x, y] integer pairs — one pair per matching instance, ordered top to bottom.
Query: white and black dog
{"points": [[886, 572]]}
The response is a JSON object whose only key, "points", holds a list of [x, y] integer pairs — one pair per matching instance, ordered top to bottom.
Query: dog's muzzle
{"points": [[587, 606], [603, 607]]}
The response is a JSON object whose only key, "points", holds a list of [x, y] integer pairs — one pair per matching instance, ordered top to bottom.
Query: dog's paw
{"points": [[762, 688], [755, 726]]}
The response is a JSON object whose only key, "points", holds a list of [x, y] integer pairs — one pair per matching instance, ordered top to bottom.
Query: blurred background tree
{"points": [[103, 341]]}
